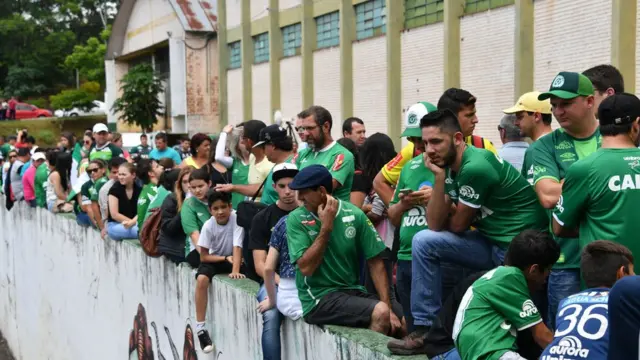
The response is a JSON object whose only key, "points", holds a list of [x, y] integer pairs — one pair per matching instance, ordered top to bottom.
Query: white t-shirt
{"points": [[220, 239]]}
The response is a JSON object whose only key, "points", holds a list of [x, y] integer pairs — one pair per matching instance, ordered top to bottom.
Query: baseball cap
{"points": [[568, 85], [529, 102], [619, 109], [413, 116], [99, 128], [252, 129], [271, 134], [38, 156], [284, 170], [310, 177]]}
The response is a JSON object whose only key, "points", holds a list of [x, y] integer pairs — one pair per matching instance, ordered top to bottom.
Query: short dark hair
{"points": [[605, 76], [455, 99], [320, 115], [546, 118], [446, 120], [347, 125], [143, 136], [161, 136], [12, 137], [184, 138], [31, 140], [197, 140], [285, 144], [23, 152], [52, 157], [115, 162], [101, 163], [143, 167], [200, 174], [218, 196], [532, 247], [601, 260]]}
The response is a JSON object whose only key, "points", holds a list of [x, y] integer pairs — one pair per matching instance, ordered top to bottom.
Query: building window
{"points": [[475, 6], [422, 12], [371, 19], [328, 30], [292, 39], [261, 48], [235, 60]]}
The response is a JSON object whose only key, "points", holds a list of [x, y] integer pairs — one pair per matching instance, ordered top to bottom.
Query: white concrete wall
{"points": [[286, 4], [259, 9], [234, 16], [149, 23], [261, 80], [370, 83], [326, 85], [291, 86], [234, 96], [67, 294]]}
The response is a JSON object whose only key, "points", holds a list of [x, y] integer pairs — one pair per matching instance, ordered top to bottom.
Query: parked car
{"points": [[99, 108], [28, 111]]}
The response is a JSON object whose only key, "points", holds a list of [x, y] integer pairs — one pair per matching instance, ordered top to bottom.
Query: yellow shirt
{"points": [[190, 162], [391, 171], [258, 172]]}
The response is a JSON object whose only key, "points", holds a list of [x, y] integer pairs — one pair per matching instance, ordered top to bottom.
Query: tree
{"points": [[88, 59], [76, 98], [139, 103]]}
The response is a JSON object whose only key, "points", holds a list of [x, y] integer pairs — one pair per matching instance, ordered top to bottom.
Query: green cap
{"points": [[568, 85], [412, 118]]}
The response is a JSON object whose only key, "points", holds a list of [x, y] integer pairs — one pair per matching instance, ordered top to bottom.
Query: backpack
{"points": [[150, 233]]}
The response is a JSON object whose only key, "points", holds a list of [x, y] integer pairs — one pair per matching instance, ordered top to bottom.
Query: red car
{"points": [[28, 111]]}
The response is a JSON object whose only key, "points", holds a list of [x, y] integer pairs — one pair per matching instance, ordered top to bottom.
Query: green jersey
{"points": [[4, 150], [106, 153], [553, 154], [337, 159], [414, 174], [239, 176], [39, 184], [94, 192], [269, 194], [599, 194], [147, 195], [84, 197], [506, 203], [193, 215], [352, 235], [492, 310]]}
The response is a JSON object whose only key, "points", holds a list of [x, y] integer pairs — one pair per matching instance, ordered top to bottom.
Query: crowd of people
{"points": [[455, 249]]}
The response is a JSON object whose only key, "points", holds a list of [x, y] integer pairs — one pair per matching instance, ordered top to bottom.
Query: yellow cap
{"points": [[529, 102]]}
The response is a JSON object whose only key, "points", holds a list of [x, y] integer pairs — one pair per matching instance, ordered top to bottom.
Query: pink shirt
{"points": [[28, 179]]}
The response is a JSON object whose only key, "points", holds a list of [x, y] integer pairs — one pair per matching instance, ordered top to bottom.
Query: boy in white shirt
{"points": [[220, 247]]}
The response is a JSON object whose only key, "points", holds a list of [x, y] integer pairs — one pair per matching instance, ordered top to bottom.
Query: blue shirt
{"points": [[166, 153], [513, 153], [24, 168], [278, 241], [624, 315], [582, 327]]}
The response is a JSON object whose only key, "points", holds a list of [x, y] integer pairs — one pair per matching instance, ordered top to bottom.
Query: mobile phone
{"points": [[405, 192]]}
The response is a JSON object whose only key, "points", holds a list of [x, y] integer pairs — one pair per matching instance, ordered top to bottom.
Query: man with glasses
{"points": [[303, 137], [513, 144], [103, 149], [323, 150]]}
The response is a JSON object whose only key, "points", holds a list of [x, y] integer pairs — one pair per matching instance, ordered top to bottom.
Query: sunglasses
{"points": [[87, 142], [12, 156], [91, 171]]}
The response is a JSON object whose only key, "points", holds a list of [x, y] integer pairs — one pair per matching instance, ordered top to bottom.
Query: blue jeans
{"points": [[83, 219], [117, 231], [431, 248], [562, 283], [403, 285], [271, 321], [449, 355]]}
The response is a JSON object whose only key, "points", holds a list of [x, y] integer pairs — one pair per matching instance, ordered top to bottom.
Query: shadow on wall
{"points": [[141, 346]]}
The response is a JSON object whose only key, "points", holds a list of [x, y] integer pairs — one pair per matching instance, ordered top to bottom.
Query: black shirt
{"points": [[360, 183], [127, 207], [261, 228]]}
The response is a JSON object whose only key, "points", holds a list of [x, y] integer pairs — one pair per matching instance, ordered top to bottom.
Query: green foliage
{"points": [[88, 59], [81, 98], [39, 103], [139, 104], [47, 131], [46, 136]]}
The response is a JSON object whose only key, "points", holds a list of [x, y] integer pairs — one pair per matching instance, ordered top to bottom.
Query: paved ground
{"points": [[5, 353]]}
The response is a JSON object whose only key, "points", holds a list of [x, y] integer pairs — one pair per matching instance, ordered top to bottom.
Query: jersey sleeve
{"points": [[116, 151], [544, 164], [343, 166], [391, 171], [475, 183], [86, 193], [575, 193], [188, 219], [368, 238], [298, 240], [510, 297]]}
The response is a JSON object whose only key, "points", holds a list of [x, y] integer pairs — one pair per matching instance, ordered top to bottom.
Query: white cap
{"points": [[100, 127], [38, 156], [284, 170]]}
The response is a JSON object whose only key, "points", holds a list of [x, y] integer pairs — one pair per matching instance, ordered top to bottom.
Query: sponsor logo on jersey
{"points": [[565, 145], [568, 156], [337, 164], [634, 164], [414, 166], [538, 170], [448, 180], [616, 183], [468, 192], [453, 194], [559, 204], [483, 213], [416, 216], [349, 218], [311, 222], [350, 232], [312, 233], [528, 309], [568, 346]]}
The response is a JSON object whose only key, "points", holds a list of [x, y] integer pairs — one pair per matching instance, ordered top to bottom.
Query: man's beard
{"points": [[317, 142], [450, 158]]}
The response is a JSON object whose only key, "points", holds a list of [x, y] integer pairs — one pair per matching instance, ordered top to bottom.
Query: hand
{"points": [[228, 129], [435, 169], [224, 188], [425, 193], [327, 212], [127, 224], [103, 233], [229, 259], [236, 276], [265, 305], [396, 324]]}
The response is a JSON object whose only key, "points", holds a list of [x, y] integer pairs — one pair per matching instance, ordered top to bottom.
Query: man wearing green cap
{"points": [[573, 106]]}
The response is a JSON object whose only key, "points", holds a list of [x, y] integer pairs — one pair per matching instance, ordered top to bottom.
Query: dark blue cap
{"points": [[311, 177]]}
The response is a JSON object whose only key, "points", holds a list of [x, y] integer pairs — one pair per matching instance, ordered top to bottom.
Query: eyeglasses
{"points": [[306, 128], [87, 142], [13, 156], [91, 171]]}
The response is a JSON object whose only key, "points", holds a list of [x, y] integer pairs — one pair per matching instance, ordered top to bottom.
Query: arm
{"points": [[226, 161], [546, 173], [57, 186], [383, 188], [246, 190], [548, 191], [356, 198], [573, 204], [95, 209], [113, 210], [437, 214], [462, 218], [560, 230], [195, 237], [314, 255], [205, 257], [259, 259], [237, 261], [270, 280], [380, 280], [542, 335]]}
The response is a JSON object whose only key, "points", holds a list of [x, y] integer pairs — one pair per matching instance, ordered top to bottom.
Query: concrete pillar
{"points": [[453, 10], [395, 25], [347, 36], [623, 41], [308, 45], [275, 53], [524, 54], [247, 60], [223, 63]]}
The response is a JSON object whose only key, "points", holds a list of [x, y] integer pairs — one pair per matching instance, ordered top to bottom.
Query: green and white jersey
{"points": [[106, 153], [553, 154], [337, 159], [414, 174], [239, 176], [40, 184], [95, 190], [269, 193], [600, 194], [147, 195], [506, 203], [193, 215], [352, 235], [491, 312]]}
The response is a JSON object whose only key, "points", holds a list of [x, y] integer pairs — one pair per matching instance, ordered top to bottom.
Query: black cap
{"points": [[619, 109], [251, 129], [271, 134], [311, 177]]}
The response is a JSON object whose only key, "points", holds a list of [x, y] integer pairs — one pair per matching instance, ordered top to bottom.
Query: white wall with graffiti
{"points": [[67, 294]]}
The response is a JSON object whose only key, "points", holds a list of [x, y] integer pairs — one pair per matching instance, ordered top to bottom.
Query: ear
{"points": [[610, 91], [458, 138], [621, 272]]}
